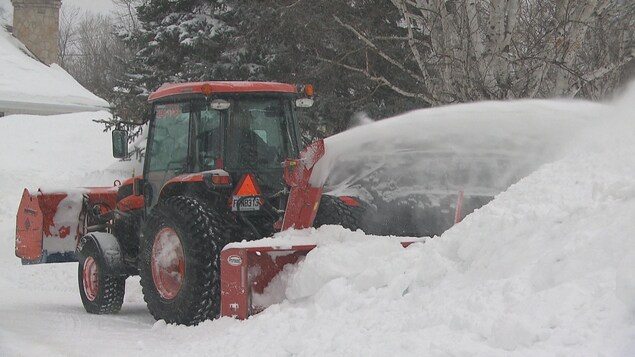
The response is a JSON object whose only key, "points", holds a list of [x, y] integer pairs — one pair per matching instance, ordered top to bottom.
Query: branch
{"points": [[292, 5], [396, 38], [411, 41], [381, 53], [602, 71], [382, 81], [363, 99]]}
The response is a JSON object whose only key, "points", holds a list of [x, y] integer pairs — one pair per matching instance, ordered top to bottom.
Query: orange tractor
{"points": [[222, 165]]}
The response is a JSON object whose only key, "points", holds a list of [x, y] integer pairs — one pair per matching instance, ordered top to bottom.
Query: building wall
{"points": [[36, 25]]}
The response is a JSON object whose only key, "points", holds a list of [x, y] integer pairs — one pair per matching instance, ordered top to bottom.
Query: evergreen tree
{"points": [[180, 41], [288, 41]]}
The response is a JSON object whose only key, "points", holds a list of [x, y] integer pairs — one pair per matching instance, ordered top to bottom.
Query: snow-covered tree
{"points": [[180, 40]]}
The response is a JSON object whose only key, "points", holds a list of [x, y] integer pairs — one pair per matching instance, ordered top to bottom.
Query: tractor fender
{"points": [[202, 180], [109, 250]]}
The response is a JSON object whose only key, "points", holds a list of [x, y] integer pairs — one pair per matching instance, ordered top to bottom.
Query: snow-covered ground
{"points": [[545, 269]]}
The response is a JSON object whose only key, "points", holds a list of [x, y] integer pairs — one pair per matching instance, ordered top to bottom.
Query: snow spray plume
{"points": [[359, 119], [613, 130], [410, 168]]}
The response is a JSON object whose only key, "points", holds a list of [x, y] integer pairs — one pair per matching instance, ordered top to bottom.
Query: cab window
{"points": [[258, 134], [170, 138], [209, 139]]}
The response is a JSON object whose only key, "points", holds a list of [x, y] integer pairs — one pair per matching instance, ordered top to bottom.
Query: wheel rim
{"points": [[168, 263], [90, 278]]}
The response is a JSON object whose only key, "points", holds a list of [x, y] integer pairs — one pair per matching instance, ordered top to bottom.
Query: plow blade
{"points": [[49, 224], [246, 271]]}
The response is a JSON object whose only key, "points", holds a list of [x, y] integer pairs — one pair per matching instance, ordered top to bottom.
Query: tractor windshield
{"points": [[258, 136]]}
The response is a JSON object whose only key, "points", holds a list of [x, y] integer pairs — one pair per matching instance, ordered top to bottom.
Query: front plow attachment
{"points": [[247, 269]]}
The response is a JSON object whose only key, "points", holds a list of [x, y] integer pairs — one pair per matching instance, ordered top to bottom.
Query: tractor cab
{"points": [[235, 130], [252, 134]]}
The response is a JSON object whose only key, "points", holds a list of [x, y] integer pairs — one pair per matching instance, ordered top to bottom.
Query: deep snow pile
{"points": [[545, 269]]}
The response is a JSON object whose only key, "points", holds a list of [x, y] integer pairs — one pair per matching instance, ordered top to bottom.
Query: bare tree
{"points": [[126, 14], [67, 39], [91, 51], [456, 51], [96, 63]]}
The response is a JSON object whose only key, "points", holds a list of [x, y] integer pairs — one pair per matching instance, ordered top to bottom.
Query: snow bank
{"points": [[545, 269]]}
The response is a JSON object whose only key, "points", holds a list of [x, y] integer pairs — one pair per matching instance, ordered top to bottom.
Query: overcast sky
{"points": [[99, 6], [103, 6]]}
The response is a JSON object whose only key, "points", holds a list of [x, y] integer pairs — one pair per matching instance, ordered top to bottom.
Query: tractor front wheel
{"points": [[346, 212], [179, 261], [101, 292]]}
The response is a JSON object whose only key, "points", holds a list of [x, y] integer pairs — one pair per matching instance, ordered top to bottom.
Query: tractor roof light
{"points": [[207, 89], [308, 90]]}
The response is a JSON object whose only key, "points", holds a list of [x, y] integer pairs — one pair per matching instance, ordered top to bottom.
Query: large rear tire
{"points": [[334, 210], [179, 261], [101, 293]]}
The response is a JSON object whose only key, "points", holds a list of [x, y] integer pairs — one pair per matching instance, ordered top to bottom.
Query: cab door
{"points": [[168, 147]]}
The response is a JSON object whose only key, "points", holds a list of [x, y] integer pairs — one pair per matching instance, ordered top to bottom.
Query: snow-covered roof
{"points": [[28, 86]]}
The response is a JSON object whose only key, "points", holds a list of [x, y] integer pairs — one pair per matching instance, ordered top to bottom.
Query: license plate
{"points": [[246, 203]]}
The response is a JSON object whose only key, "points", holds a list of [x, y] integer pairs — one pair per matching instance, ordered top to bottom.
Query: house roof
{"points": [[27, 85]]}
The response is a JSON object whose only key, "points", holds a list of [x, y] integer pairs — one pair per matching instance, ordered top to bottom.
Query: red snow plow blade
{"points": [[49, 224], [247, 271]]}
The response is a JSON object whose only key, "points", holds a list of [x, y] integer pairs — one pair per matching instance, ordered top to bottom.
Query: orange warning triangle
{"points": [[247, 187]]}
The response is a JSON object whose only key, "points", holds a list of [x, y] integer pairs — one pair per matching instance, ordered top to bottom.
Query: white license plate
{"points": [[247, 203]]}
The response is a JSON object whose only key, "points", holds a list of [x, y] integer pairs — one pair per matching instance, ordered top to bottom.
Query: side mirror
{"points": [[304, 103], [219, 104], [147, 116], [119, 143], [137, 186]]}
